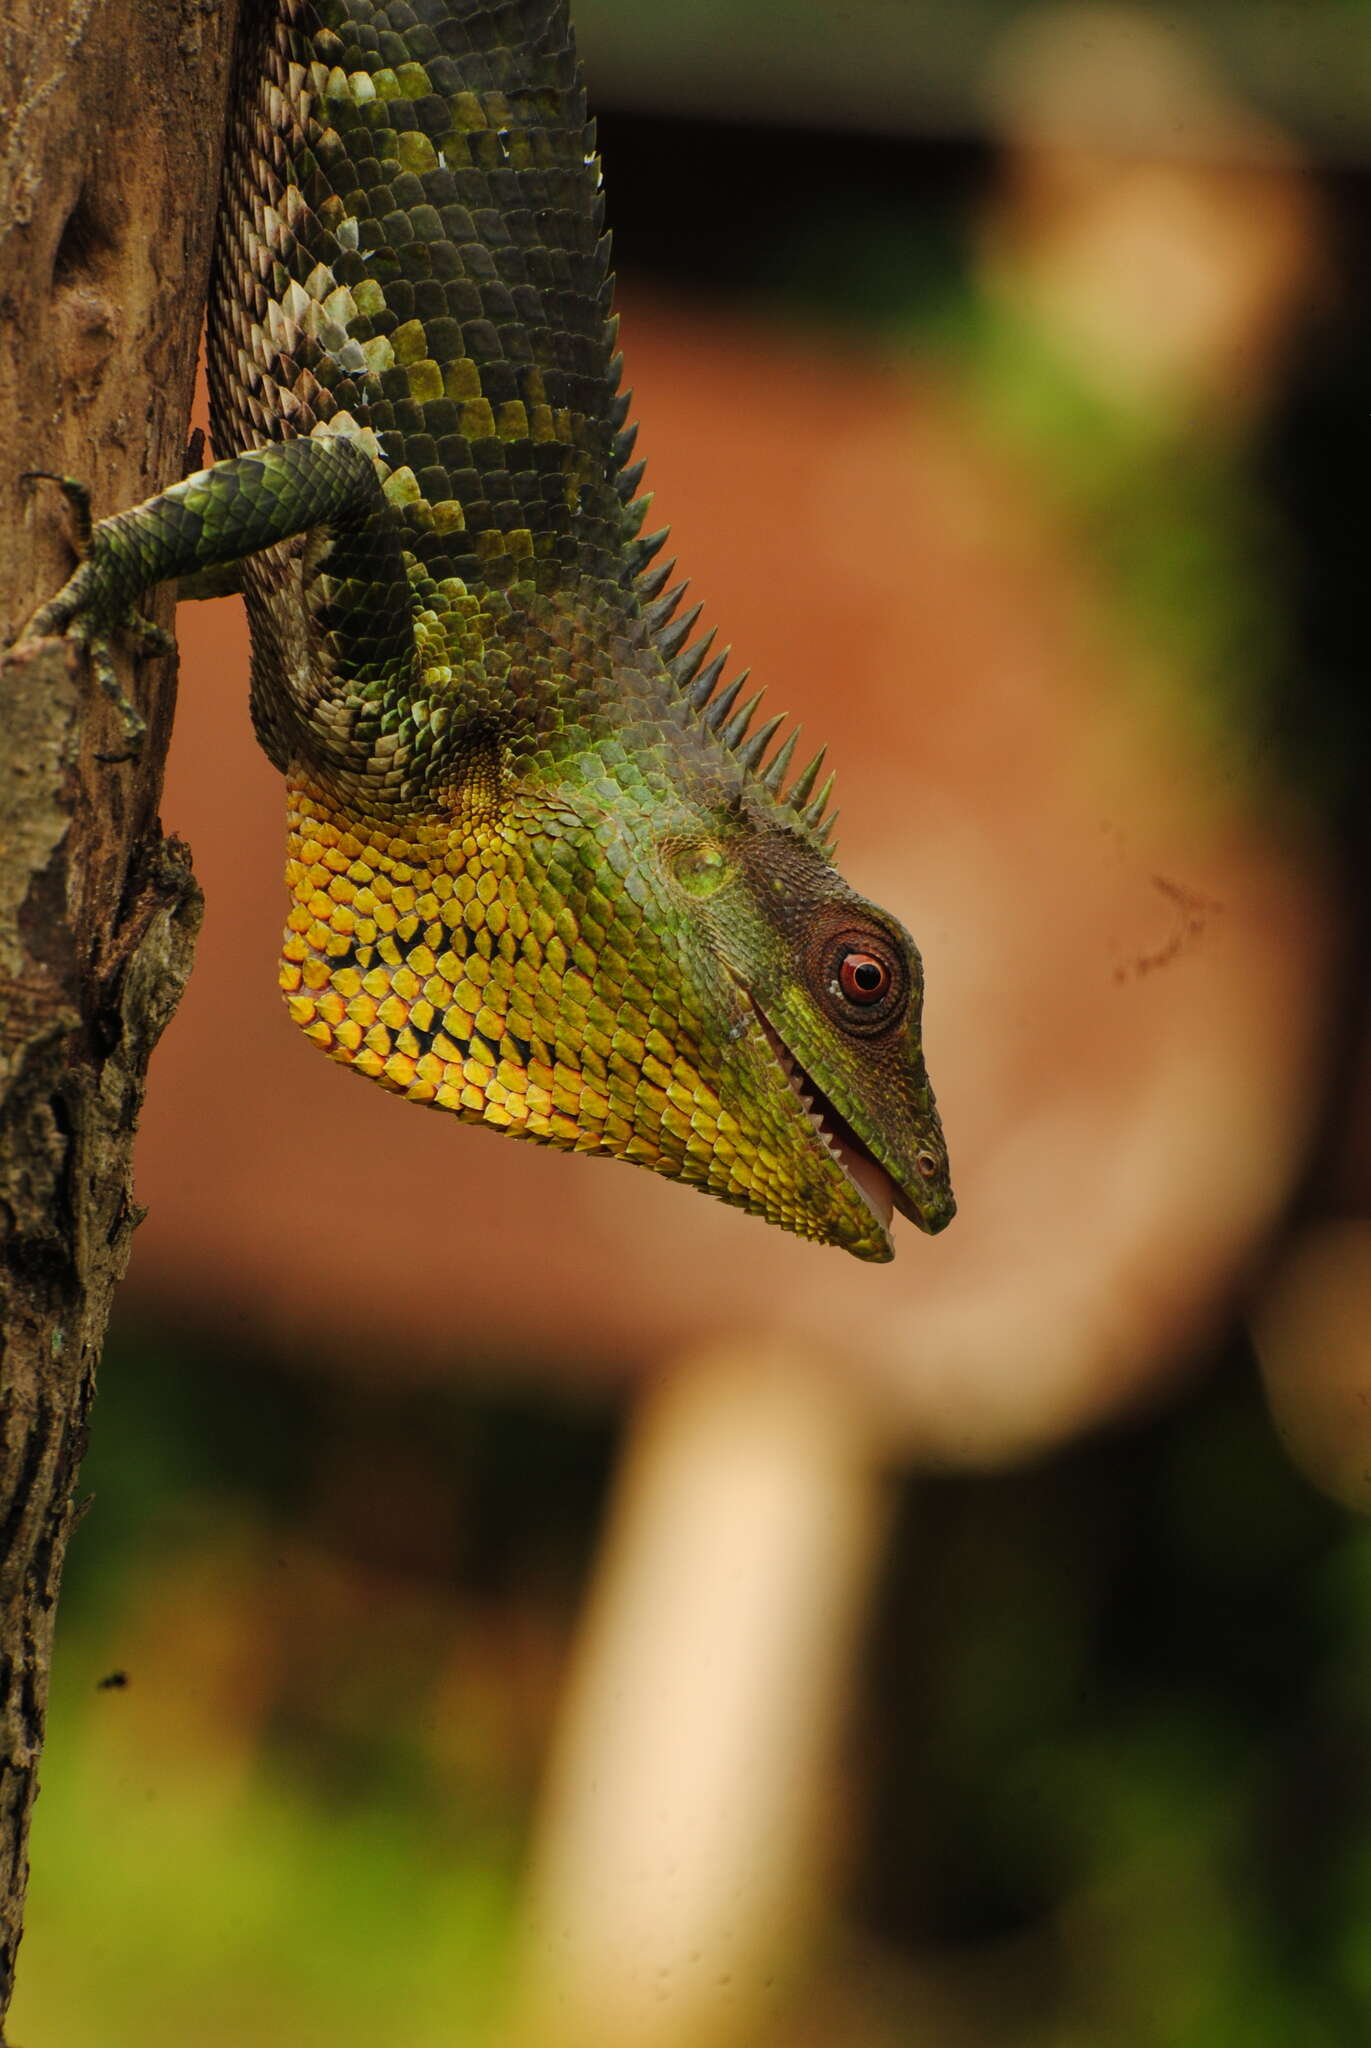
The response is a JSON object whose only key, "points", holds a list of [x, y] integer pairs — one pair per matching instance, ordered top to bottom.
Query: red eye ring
{"points": [[863, 978]]}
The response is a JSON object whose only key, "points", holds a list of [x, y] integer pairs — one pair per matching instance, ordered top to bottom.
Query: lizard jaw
{"points": [[834, 1133]]}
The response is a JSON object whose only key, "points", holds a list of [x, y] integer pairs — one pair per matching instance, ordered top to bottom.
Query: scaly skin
{"points": [[539, 872]]}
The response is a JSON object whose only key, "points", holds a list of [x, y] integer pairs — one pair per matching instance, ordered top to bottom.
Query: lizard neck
{"points": [[391, 955], [460, 962]]}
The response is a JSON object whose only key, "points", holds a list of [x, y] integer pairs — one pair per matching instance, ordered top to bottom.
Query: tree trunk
{"points": [[111, 117]]}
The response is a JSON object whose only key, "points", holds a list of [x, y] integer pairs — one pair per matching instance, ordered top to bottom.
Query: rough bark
{"points": [[111, 114]]}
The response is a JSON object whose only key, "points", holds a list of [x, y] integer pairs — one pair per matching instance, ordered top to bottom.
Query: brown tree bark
{"points": [[111, 116]]}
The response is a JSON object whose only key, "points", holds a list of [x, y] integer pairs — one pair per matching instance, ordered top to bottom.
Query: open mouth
{"points": [[870, 1179]]}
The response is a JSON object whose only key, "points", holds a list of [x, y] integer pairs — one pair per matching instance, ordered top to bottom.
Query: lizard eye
{"points": [[863, 978], [863, 981]]}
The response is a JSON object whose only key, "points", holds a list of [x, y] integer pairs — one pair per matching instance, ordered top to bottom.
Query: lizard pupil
{"points": [[863, 978]]}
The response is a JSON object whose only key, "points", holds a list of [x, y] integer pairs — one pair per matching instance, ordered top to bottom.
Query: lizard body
{"points": [[541, 872]]}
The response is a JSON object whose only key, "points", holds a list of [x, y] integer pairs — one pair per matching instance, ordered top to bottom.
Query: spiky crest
{"points": [[697, 678]]}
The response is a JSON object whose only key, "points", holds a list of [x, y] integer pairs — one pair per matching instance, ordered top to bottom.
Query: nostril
{"points": [[927, 1164]]}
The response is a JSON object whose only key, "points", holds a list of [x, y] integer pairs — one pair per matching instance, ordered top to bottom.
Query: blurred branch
{"points": [[919, 67], [104, 111], [682, 1847]]}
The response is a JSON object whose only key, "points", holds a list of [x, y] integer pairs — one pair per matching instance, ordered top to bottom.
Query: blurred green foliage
{"points": [[308, 1645], [1121, 1741], [1108, 1774], [171, 1907]]}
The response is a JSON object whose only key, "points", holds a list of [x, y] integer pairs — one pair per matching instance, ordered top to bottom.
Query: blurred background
{"points": [[522, 1604]]}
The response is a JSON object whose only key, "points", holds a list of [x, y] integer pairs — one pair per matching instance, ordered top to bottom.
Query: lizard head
{"points": [[815, 998], [709, 1000]]}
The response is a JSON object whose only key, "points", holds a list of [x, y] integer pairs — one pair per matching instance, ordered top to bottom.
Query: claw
{"points": [[76, 495], [67, 613], [145, 636], [132, 724]]}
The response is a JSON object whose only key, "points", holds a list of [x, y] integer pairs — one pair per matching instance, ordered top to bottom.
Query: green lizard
{"points": [[541, 872]]}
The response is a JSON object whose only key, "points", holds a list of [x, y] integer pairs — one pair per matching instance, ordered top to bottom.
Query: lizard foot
{"points": [[66, 616]]}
